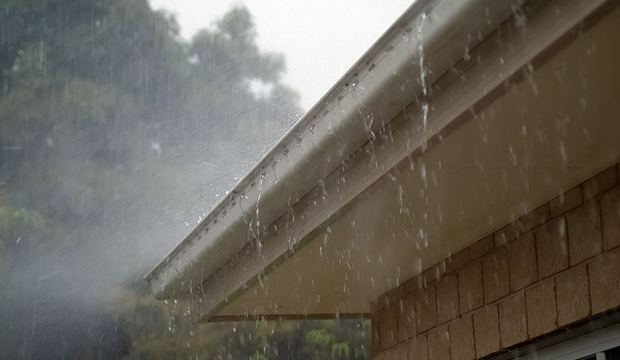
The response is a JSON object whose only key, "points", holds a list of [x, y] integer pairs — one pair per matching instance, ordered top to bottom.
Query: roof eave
{"points": [[382, 83]]}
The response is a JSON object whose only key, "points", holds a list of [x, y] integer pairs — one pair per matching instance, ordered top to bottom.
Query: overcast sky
{"points": [[320, 38]]}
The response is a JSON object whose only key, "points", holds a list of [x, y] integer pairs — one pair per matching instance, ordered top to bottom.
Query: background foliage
{"points": [[115, 136]]}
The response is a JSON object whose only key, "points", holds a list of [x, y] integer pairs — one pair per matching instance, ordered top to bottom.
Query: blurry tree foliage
{"points": [[114, 130]]}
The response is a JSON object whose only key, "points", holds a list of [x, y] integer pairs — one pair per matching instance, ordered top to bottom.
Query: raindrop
{"points": [[420, 48]]}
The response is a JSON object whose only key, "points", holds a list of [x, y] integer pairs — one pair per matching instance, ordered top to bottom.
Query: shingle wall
{"points": [[553, 268]]}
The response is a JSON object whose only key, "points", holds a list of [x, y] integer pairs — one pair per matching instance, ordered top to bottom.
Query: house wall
{"points": [[551, 269]]}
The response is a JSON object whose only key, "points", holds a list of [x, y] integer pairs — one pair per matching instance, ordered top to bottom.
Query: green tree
{"points": [[114, 130]]}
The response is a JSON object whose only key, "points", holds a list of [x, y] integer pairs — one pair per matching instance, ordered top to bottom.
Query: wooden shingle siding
{"points": [[562, 269]]}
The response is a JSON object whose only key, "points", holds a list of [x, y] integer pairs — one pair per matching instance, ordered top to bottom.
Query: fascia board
{"points": [[425, 43]]}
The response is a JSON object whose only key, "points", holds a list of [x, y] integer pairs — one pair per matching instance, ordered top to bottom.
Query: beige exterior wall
{"points": [[553, 268]]}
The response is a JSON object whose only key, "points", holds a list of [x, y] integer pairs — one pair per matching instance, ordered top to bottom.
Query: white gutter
{"points": [[432, 35]]}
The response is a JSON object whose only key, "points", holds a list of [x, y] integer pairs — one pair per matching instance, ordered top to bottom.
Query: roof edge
{"points": [[356, 107]]}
